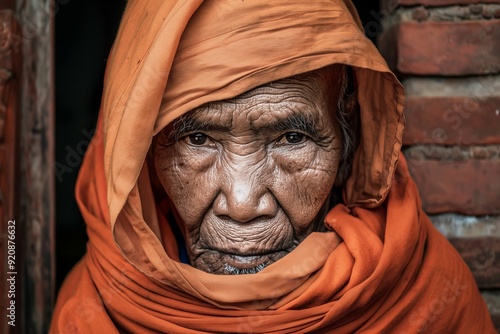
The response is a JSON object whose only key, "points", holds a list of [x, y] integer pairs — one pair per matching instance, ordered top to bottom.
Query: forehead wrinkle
{"points": [[275, 93], [294, 95], [289, 96], [210, 115], [298, 116]]}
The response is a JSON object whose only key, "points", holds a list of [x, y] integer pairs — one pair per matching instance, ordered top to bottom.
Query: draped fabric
{"points": [[386, 269]]}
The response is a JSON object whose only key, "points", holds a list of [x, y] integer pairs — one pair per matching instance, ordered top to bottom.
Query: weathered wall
{"points": [[447, 55], [27, 150], [9, 163]]}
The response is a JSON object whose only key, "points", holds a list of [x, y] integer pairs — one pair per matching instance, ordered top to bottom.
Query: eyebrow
{"points": [[298, 122], [188, 123]]}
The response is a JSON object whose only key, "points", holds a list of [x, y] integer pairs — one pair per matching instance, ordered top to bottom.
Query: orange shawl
{"points": [[391, 272]]}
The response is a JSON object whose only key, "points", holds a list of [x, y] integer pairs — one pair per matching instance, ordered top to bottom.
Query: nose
{"points": [[244, 197]]}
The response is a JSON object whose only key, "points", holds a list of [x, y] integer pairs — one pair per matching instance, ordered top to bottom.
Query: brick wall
{"points": [[447, 55]]}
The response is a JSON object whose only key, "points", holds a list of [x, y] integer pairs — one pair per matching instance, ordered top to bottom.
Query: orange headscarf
{"points": [[391, 271]]}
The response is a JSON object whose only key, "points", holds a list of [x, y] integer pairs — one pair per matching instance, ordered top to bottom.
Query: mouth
{"points": [[238, 264], [231, 270]]}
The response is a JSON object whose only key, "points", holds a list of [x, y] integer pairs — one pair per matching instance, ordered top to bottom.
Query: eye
{"points": [[197, 138], [292, 138]]}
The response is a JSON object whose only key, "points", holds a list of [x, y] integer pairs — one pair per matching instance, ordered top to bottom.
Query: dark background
{"points": [[85, 31]]}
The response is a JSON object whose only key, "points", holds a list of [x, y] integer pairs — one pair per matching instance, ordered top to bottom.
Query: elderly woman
{"points": [[247, 177]]}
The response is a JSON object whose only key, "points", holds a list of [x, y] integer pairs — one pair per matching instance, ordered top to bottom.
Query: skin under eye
{"points": [[292, 138]]}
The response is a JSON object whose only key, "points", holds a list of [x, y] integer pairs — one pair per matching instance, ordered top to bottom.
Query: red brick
{"points": [[391, 4], [443, 48], [451, 111], [452, 120], [469, 186], [477, 239], [482, 255], [492, 299]]}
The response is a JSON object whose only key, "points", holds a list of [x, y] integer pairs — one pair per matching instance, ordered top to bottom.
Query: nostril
{"points": [[268, 207], [244, 208]]}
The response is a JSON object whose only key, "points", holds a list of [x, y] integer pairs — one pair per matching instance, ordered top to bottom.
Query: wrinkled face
{"points": [[251, 176]]}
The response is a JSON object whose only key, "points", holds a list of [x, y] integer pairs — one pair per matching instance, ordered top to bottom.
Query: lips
{"points": [[223, 246], [245, 262], [250, 263]]}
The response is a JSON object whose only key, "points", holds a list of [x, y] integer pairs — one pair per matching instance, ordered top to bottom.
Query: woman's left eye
{"points": [[197, 138], [292, 138]]}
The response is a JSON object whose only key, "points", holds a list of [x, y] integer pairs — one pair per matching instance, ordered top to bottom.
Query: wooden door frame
{"points": [[26, 157]]}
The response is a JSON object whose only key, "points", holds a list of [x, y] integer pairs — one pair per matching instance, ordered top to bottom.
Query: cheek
{"points": [[188, 179], [303, 182]]}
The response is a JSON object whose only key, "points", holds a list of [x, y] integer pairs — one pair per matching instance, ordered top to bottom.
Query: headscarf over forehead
{"points": [[224, 48]]}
